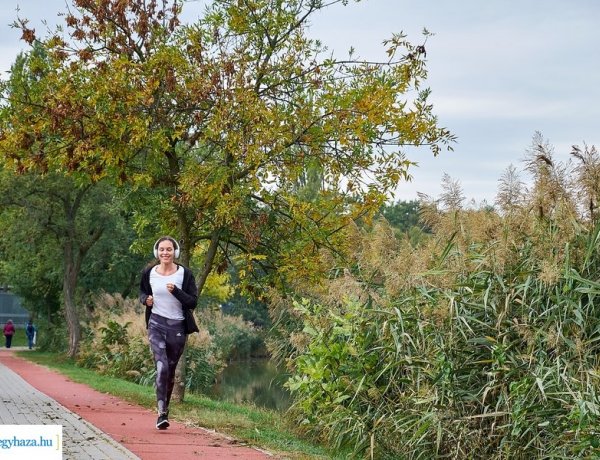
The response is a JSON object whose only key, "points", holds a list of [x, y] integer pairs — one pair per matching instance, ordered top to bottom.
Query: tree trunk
{"points": [[74, 254], [69, 286], [72, 320]]}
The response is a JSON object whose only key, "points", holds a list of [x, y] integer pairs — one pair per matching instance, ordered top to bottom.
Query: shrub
{"points": [[51, 336], [115, 343], [117, 346], [491, 362]]}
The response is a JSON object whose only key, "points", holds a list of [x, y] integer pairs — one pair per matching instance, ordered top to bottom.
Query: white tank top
{"points": [[165, 303]]}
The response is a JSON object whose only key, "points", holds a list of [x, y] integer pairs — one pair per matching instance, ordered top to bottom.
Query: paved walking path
{"points": [[22, 404], [99, 426]]}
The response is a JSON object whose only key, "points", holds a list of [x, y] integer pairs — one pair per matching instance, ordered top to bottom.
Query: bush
{"points": [[52, 337], [222, 338], [234, 338], [116, 343], [117, 348], [500, 363]]}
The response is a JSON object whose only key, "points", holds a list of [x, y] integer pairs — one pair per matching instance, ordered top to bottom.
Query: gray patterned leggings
{"points": [[167, 340]]}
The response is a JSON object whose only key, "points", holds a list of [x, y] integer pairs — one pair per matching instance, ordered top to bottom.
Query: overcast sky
{"points": [[499, 71]]}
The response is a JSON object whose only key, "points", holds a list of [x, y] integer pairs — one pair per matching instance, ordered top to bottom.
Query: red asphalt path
{"points": [[131, 425]]}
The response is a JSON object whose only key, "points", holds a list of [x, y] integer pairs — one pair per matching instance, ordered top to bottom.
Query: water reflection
{"points": [[258, 382]]}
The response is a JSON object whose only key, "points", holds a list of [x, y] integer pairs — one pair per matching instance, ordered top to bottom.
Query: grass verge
{"points": [[259, 427]]}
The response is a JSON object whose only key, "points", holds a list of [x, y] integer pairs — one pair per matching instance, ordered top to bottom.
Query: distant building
{"points": [[10, 308]]}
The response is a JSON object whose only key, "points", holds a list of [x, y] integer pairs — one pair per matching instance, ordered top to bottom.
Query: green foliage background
{"points": [[482, 341]]}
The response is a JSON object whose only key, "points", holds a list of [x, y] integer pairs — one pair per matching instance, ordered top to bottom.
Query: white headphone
{"points": [[167, 238]]}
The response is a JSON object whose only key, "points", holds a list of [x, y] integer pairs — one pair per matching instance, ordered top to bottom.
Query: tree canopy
{"points": [[218, 121]]}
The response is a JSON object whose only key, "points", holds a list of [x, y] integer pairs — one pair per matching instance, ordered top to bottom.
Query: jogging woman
{"points": [[169, 292]]}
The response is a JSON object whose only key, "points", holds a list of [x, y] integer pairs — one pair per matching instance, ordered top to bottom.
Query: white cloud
{"points": [[495, 106]]}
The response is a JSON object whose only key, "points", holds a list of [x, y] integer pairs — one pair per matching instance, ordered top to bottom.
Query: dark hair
{"points": [[167, 238]]}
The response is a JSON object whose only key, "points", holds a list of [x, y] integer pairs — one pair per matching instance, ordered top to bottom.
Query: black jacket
{"points": [[187, 295]]}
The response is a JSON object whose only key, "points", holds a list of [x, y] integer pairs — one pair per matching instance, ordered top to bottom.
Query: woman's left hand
{"points": [[170, 287]]}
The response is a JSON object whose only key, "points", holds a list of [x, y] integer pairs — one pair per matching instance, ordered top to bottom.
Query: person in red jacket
{"points": [[9, 331]]}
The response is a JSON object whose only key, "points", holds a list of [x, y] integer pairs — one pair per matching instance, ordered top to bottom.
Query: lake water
{"points": [[258, 382]]}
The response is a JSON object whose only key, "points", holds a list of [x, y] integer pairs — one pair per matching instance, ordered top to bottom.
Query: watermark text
{"points": [[31, 441]]}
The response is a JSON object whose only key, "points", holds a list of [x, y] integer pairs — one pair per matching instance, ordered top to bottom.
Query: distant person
{"points": [[169, 292], [9, 331], [30, 333]]}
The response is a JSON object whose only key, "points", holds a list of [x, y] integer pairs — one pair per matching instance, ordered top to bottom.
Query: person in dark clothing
{"points": [[169, 292], [9, 331], [30, 333]]}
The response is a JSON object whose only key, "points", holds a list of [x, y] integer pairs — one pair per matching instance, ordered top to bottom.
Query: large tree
{"points": [[223, 117], [62, 217], [53, 220]]}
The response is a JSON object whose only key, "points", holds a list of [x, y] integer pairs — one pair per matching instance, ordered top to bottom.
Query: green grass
{"points": [[262, 428]]}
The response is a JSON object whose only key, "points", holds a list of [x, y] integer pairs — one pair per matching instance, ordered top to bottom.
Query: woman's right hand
{"points": [[149, 301]]}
